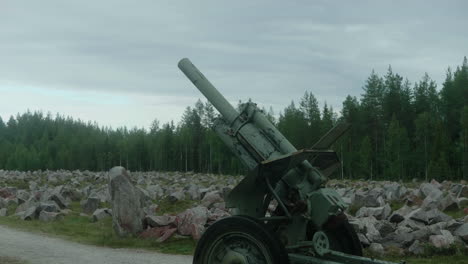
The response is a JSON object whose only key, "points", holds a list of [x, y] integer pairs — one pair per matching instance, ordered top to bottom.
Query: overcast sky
{"points": [[115, 62]]}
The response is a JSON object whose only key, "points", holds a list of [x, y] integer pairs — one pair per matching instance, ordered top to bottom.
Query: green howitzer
{"points": [[308, 224]]}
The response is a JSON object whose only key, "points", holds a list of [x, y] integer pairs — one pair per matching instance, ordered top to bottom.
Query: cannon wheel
{"points": [[342, 236], [239, 240]]}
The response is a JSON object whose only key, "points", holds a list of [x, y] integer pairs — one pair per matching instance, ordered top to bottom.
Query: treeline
{"points": [[400, 130]]}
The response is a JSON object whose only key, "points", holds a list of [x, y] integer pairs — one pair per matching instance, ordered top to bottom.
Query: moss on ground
{"points": [[395, 205], [167, 207]]}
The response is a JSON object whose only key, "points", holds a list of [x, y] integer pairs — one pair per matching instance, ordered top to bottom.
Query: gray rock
{"points": [[429, 189], [155, 191], [193, 192], [463, 192], [23, 195], [176, 196], [145, 198], [210, 198], [371, 199], [59, 200], [449, 202], [3, 203], [430, 203], [26, 205], [90, 205], [49, 207], [127, 208], [151, 209], [3, 212], [378, 212], [30, 214], [100, 214], [400, 214], [419, 215], [45, 216], [436, 216], [161, 220], [412, 224], [385, 228], [462, 232], [422, 234], [363, 239], [442, 241], [416, 248], [376, 249]]}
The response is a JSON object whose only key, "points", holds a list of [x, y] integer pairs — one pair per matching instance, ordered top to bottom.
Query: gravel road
{"points": [[36, 248]]}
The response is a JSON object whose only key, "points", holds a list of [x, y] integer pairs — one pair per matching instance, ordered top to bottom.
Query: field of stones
{"points": [[391, 218]]}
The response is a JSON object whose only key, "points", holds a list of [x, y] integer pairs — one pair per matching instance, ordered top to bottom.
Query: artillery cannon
{"points": [[307, 226]]}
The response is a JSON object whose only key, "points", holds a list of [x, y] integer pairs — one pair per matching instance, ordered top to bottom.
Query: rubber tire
{"points": [[243, 224]]}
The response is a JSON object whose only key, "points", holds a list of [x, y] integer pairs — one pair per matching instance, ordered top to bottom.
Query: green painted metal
{"points": [[278, 171]]}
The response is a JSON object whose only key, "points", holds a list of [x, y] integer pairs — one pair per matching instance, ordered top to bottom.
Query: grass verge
{"points": [[80, 229], [11, 260], [430, 260]]}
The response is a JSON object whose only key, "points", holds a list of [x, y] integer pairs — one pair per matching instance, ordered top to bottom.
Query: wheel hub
{"points": [[321, 243], [238, 248]]}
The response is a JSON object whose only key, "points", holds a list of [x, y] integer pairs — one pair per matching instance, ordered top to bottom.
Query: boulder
{"points": [[428, 189], [155, 191], [193, 192], [463, 192], [176, 196], [57, 198], [210, 198], [371, 199], [449, 202], [3, 203], [430, 203], [26, 205], [90, 205], [49, 206], [127, 209], [151, 209], [3, 212], [379, 213], [30, 214], [100, 214], [216, 214], [400, 214], [419, 215], [46, 216], [436, 216], [160, 220], [192, 221], [385, 228], [462, 232], [422, 234], [363, 239], [444, 240], [416, 248], [376, 249]]}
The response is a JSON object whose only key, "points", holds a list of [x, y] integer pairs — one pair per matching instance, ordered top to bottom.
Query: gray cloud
{"points": [[270, 51]]}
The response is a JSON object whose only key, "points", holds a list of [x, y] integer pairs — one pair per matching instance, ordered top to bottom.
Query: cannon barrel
{"points": [[208, 90]]}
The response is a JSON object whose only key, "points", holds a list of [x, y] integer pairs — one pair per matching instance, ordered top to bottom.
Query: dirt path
{"points": [[35, 248]]}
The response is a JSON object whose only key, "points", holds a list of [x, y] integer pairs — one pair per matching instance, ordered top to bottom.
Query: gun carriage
{"points": [[307, 226]]}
